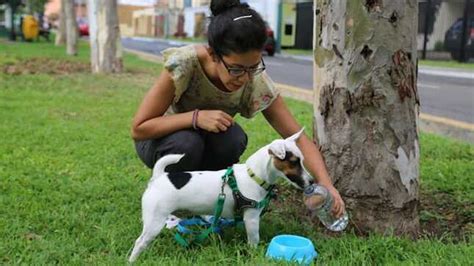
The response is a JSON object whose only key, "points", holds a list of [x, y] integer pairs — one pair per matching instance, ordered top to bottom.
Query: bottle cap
{"points": [[309, 189]]}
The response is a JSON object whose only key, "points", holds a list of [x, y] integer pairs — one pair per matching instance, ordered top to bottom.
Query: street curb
{"points": [[145, 56], [446, 72], [429, 123]]}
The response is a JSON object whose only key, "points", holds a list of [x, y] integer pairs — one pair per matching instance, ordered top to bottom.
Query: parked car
{"points": [[83, 25], [452, 39], [270, 43]]}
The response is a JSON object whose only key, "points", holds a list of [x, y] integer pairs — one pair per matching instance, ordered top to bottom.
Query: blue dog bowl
{"points": [[292, 248]]}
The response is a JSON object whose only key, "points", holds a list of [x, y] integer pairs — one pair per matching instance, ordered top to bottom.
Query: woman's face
{"points": [[232, 69]]}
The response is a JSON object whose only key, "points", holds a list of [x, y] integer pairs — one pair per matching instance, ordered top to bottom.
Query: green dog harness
{"points": [[241, 203]]}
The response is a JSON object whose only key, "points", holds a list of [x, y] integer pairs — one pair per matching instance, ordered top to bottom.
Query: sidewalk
{"points": [[427, 70], [446, 72]]}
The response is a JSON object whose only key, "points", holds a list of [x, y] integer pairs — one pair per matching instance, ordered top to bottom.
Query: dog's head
{"points": [[288, 161]]}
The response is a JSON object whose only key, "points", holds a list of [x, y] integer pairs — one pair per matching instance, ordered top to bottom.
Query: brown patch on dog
{"points": [[291, 167]]}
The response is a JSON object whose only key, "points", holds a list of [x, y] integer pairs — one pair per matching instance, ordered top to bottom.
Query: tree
{"points": [[14, 5], [35, 6], [71, 27], [61, 33], [105, 41], [366, 108]]}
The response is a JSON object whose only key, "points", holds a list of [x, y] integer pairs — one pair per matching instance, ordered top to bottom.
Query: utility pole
{"points": [[13, 6], [427, 22], [279, 25], [463, 57]]}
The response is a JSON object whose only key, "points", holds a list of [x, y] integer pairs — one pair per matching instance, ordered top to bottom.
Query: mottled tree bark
{"points": [[71, 27], [104, 31], [366, 108]]}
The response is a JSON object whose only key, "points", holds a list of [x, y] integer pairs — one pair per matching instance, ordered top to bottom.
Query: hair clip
{"points": [[241, 17]]}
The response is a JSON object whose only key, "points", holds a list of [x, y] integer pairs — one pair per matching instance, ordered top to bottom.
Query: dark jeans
{"points": [[203, 150]]}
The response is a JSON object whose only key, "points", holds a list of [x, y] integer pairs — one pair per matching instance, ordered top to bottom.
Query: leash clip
{"points": [[225, 179], [222, 187], [221, 196]]}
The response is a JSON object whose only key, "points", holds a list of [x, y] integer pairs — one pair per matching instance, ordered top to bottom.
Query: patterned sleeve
{"points": [[180, 63], [260, 94]]}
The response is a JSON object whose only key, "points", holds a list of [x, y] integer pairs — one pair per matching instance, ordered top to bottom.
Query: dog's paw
{"points": [[253, 244]]}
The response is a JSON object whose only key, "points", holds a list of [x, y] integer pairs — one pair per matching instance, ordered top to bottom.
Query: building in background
{"points": [[52, 9], [196, 13], [443, 15], [135, 17], [291, 21]]}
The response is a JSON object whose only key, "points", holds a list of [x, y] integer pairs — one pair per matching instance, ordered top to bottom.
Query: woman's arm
{"points": [[278, 115], [149, 121]]}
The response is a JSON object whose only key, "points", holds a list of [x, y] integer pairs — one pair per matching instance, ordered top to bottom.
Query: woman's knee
{"points": [[185, 142]]}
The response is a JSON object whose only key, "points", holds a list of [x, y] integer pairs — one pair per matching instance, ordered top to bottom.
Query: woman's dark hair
{"points": [[235, 28]]}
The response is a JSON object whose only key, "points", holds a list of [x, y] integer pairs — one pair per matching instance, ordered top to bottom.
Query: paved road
{"points": [[443, 93]]}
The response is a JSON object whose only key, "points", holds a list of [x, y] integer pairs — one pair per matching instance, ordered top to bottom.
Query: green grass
{"points": [[189, 39], [297, 52], [447, 64], [70, 182]]}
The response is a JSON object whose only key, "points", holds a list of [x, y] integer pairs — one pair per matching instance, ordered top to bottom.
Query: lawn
{"points": [[448, 64], [70, 182]]}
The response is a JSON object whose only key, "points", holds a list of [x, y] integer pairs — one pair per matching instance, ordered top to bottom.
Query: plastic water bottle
{"points": [[319, 201]]}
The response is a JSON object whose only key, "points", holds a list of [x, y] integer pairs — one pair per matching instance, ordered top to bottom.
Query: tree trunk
{"points": [[28, 9], [71, 27], [104, 31], [61, 34], [366, 108]]}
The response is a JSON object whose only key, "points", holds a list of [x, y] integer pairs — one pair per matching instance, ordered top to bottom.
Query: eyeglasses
{"points": [[240, 71]]}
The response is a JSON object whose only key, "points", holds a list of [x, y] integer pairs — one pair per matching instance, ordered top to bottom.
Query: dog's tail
{"points": [[161, 164]]}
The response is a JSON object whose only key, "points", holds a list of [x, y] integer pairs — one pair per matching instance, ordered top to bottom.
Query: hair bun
{"points": [[219, 6]]}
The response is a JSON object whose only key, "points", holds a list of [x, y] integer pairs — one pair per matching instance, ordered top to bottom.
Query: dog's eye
{"points": [[294, 161]]}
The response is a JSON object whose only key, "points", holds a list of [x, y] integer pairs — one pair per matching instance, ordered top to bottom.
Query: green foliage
{"points": [[10, 2], [37, 5], [439, 46], [447, 64], [71, 183]]}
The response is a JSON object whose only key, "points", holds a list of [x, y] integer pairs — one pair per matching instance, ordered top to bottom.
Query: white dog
{"points": [[197, 191]]}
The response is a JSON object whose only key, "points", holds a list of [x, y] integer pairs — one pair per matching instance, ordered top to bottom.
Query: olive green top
{"points": [[194, 90]]}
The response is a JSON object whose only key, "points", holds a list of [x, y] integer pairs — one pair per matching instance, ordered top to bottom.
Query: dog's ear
{"points": [[295, 136], [277, 149]]}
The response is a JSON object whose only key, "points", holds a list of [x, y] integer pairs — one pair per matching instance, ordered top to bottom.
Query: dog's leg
{"points": [[252, 226], [151, 228]]}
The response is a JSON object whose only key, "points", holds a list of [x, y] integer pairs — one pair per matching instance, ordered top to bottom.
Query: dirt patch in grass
{"points": [[15, 66], [45, 66], [441, 215]]}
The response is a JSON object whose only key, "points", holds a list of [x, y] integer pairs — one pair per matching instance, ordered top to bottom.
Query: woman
{"points": [[191, 106]]}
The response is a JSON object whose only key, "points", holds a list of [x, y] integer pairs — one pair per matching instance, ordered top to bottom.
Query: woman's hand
{"points": [[214, 120], [338, 206]]}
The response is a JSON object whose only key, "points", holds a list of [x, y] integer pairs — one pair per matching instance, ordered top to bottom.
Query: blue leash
{"points": [[199, 221]]}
